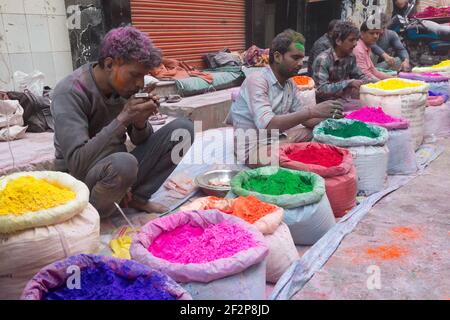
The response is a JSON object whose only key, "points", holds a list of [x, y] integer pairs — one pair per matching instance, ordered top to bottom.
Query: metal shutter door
{"points": [[186, 30]]}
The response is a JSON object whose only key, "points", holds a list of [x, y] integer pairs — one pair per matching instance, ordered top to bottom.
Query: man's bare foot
{"points": [[150, 207]]}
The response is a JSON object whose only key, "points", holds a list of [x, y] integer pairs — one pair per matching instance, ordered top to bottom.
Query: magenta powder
{"points": [[429, 74], [371, 115], [194, 244]]}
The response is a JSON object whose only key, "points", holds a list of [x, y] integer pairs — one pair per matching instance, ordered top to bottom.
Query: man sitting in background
{"points": [[389, 42], [322, 44], [362, 52], [335, 71], [270, 100]]}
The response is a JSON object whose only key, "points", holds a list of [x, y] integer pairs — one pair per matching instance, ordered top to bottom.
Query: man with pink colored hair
{"points": [[94, 108]]}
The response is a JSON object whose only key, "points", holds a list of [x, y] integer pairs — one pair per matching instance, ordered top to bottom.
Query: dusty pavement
{"points": [[400, 250]]}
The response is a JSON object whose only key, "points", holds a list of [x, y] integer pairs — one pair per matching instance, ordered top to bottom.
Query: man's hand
{"points": [[389, 60], [405, 66], [356, 84], [328, 109], [137, 111]]}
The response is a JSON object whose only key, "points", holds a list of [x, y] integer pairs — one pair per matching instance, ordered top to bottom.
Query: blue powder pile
{"points": [[101, 283]]}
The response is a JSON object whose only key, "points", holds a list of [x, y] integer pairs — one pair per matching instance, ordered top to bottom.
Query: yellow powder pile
{"points": [[445, 63], [393, 84], [27, 194]]}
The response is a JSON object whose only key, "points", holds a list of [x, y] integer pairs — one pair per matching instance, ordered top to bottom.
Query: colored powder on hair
{"points": [[442, 64], [393, 84], [374, 115], [353, 129], [325, 157], [282, 182], [28, 194], [251, 209], [405, 232], [195, 244], [387, 252], [102, 283]]}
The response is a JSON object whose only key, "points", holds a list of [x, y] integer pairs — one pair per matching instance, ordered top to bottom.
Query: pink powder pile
{"points": [[429, 74], [372, 115], [193, 244]]}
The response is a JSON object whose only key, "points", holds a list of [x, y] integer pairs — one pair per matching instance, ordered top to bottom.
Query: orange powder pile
{"points": [[301, 80], [251, 209], [405, 232], [387, 252]]}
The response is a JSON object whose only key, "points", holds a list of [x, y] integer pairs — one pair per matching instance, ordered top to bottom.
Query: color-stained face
{"points": [[401, 3], [371, 37], [348, 44], [291, 62], [127, 78]]}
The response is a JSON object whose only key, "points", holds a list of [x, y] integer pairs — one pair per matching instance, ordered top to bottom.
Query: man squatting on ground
{"points": [[270, 100], [93, 110]]}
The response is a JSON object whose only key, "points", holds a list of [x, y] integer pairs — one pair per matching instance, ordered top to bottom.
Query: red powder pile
{"points": [[371, 115], [324, 157], [251, 209], [194, 244], [387, 252]]}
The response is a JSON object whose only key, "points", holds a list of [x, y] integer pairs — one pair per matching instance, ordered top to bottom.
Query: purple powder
{"points": [[130, 44], [102, 283]]}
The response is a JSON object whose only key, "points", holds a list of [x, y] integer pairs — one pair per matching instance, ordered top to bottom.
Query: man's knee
{"points": [[181, 127], [122, 169]]}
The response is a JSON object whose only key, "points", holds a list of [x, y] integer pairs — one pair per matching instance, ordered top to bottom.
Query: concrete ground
{"points": [[400, 250]]}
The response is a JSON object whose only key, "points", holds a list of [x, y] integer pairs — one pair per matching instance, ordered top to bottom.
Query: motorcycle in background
{"points": [[427, 42]]}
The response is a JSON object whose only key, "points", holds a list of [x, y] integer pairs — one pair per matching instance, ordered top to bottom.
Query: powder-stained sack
{"points": [[408, 103], [373, 135], [402, 158], [371, 165], [340, 179], [284, 200], [11, 223], [282, 251], [24, 253], [55, 275], [241, 276]]}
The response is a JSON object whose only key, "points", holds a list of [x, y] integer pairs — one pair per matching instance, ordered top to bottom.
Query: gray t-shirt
{"points": [[86, 128]]}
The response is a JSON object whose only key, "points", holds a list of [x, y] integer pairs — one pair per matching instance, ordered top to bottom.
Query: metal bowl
{"points": [[216, 182]]}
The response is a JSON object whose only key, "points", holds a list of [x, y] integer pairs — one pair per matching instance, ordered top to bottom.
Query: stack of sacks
{"points": [[443, 68], [439, 83], [307, 89], [400, 98], [367, 143], [402, 158], [333, 164], [307, 211], [44, 217], [267, 218], [213, 255], [101, 278]]}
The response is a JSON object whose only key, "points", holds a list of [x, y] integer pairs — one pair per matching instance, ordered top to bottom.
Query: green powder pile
{"points": [[354, 129], [282, 182]]}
